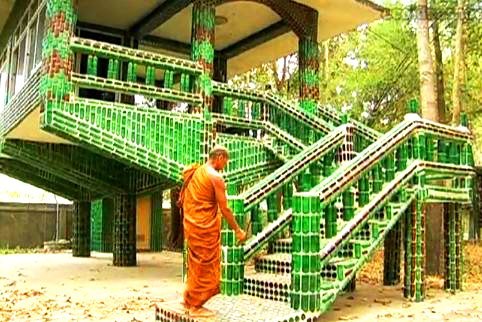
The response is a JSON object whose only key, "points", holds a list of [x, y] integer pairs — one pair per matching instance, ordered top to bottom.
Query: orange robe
{"points": [[202, 230]]}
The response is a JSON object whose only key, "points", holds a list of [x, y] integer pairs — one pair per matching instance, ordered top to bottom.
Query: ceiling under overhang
{"points": [[244, 18]]}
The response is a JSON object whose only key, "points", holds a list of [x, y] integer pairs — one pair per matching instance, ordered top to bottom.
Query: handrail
{"points": [[141, 57], [119, 86], [316, 123], [258, 125], [365, 131], [293, 167], [332, 186], [380, 198], [269, 232]]}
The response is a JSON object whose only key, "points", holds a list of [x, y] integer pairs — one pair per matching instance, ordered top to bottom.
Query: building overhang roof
{"points": [[252, 34]]}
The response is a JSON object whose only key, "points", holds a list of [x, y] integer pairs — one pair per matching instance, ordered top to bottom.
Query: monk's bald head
{"points": [[218, 151], [218, 157]]}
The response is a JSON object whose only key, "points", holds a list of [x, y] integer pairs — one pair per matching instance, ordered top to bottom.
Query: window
{"points": [[40, 35], [32, 43], [25, 50], [13, 70], [21, 72], [3, 85]]}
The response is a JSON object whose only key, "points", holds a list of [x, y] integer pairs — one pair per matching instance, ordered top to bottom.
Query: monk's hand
{"points": [[241, 236]]}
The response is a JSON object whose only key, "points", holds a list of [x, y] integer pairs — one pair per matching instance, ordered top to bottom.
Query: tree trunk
{"points": [[458, 63], [439, 72], [280, 81], [428, 97], [428, 100]]}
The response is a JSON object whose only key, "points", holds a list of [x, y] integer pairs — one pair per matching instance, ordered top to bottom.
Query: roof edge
{"points": [[385, 11]]}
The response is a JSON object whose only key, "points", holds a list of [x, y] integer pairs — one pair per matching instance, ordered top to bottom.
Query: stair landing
{"points": [[243, 308]]}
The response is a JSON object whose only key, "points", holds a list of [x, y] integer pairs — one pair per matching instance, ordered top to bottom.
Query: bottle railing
{"points": [[140, 57], [178, 75], [124, 87], [257, 105], [255, 125], [365, 132], [438, 136], [173, 141], [245, 153], [378, 165], [294, 167], [378, 175], [282, 178], [389, 190], [438, 194], [267, 234], [330, 296]]}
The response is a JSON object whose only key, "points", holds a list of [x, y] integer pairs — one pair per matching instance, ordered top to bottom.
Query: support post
{"points": [[202, 40], [309, 65], [220, 74], [56, 86], [101, 212], [157, 222], [81, 229], [125, 230], [453, 248], [415, 254], [305, 259], [391, 259], [232, 262]]}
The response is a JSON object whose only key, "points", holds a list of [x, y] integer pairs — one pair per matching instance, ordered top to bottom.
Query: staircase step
{"points": [[283, 246], [280, 264], [274, 287], [243, 308]]}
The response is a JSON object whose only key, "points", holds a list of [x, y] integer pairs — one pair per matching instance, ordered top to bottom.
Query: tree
{"points": [[459, 65], [439, 68], [428, 96]]}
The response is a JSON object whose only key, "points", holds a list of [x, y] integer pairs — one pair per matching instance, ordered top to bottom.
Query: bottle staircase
{"points": [[344, 186], [338, 250]]}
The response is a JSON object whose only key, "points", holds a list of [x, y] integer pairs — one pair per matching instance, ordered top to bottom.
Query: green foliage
{"points": [[372, 73]]}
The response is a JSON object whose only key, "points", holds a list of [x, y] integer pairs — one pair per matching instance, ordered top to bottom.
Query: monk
{"points": [[203, 193]]}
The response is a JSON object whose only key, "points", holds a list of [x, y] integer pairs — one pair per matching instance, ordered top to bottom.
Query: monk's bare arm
{"points": [[220, 191]]}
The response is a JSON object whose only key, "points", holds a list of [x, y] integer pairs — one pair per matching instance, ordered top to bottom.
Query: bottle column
{"points": [[202, 39], [309, 65], [81, 229], [125, 252], [232, 255], [391, 259], [305, 260]]}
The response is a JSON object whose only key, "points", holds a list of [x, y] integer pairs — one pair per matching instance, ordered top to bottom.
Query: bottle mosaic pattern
{"points": [[353, 207]]}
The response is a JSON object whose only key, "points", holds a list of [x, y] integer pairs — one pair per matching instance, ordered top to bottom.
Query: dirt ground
{"points": [[58, 287]]}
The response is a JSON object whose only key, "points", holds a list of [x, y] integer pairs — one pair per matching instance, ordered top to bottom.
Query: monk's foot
{"points": [[200, 312]]}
